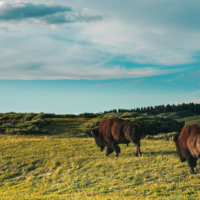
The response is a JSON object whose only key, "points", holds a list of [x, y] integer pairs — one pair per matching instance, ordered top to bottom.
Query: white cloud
{"points": [[47, 13], [151, 33], [142, 45], [32, 71], [179, 76], [101, 85]]}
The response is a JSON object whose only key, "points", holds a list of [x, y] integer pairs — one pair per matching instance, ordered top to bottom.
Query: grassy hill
{"points": [[176, 115], [186, 116], [191, 120], [63, 162]]}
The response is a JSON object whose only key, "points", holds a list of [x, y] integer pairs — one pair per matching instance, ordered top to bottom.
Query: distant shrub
{"points": [[52, 115], [89, 115], [130, 115], [4, 118], [97, 123], [7, 125], [156, 125], [161, 136]]}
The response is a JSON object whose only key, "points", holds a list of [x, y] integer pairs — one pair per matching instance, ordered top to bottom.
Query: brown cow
{"points": [[114, 131], [188, 145]]}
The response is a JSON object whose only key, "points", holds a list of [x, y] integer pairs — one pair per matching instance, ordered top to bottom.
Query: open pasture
{"points": [[53, 167]]}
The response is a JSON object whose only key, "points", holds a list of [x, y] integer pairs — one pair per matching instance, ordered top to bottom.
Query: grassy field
{"points": [[66, 164], [73, 168]]}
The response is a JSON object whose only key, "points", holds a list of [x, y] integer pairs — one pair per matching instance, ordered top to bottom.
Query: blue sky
{"points": [[90, 56]]}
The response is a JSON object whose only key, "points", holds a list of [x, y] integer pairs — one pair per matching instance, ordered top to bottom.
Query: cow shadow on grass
{"points": [[159, 153]]}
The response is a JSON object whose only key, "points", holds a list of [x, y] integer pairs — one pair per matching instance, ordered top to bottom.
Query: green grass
{"points": [[50, 167]]}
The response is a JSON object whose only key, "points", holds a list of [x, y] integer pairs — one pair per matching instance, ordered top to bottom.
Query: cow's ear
{"points": [[95, 132]]}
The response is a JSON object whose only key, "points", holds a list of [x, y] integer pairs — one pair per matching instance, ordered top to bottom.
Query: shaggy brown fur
{"points": [[114, 131], [188, 145]]}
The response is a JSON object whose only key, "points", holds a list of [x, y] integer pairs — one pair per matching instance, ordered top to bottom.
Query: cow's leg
{"points": [[102, 148], [116, 149], [109, 151], [138, 152], [192, 162]]}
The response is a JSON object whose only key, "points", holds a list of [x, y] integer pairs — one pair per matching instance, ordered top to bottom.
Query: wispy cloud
{"points": [[46, 13], [4, 28], [7, 29], [46, 71], [195, 74], [179, 76], [175, 78], [133, 82], [122, 83], [101, 85], [194, 92], [193, 100]]}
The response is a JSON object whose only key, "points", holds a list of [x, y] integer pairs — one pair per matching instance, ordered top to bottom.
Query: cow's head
{"points": [[95, 133], [175, 139]]}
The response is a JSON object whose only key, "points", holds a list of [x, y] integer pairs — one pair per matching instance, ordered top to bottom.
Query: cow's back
{"points": [[111, 129], [189, 139], [193, 141]]}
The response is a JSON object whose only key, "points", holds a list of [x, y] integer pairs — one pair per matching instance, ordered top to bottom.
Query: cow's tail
{"points": [[136, 124], [194, 147], [198, 147]]}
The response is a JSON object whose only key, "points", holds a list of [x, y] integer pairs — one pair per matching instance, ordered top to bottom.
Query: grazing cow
{"points": [[114, 131], [188, 145]]}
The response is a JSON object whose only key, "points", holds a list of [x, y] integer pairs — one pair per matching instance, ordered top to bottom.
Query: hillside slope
{"points": [[176, 115]]}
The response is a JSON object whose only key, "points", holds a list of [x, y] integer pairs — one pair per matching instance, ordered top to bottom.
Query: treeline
{"points": [[195, 108], [12, 116]]}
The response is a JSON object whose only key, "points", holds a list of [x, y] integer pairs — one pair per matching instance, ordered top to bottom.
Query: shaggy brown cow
{"points": [[114, 131], [188, 145]]}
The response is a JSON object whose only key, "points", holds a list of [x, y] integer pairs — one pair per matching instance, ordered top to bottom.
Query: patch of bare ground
{"points": [[54, 130]]}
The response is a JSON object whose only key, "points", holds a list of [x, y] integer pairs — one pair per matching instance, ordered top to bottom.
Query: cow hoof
{"points": [[105, 155], [116, 156], [191, 172]]}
